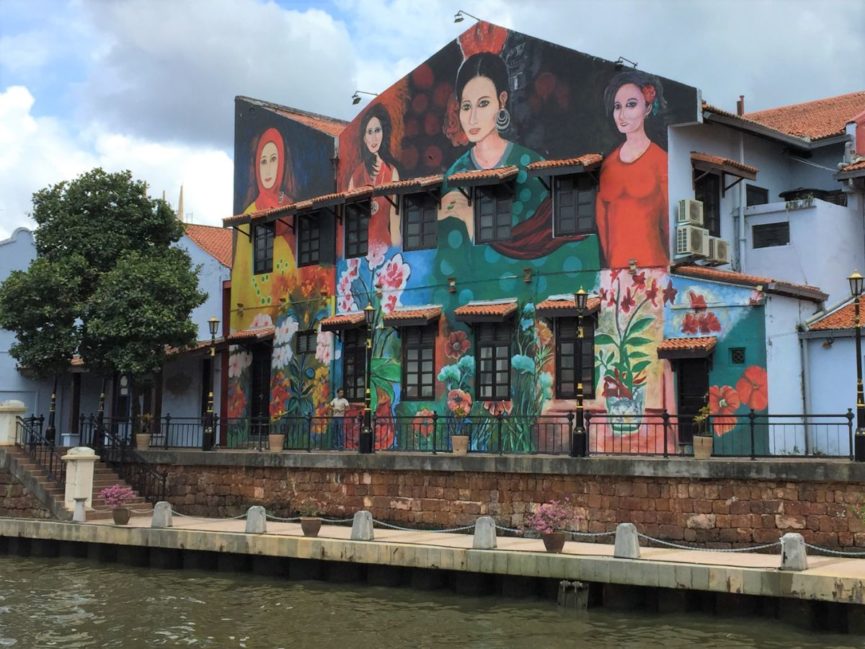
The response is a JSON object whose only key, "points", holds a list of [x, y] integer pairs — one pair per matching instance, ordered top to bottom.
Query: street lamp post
{"points": [[856, 285], [208, 437], [366, 441], [579, 444]]}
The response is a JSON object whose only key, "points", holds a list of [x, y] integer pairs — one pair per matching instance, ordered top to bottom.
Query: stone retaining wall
{"points": [[16, 501], [713, 511]]}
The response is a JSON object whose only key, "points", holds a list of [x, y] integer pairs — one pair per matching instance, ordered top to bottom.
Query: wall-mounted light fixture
{"points": [[462, 15], [620, 63], [356, 97], [632, 266], [527, 275], [452, 284]]}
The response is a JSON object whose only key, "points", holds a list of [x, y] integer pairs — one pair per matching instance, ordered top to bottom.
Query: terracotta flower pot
{"points": [[142, 441], [276, 442], [459, 444], [702, 447], [120, 515], [310, 525], [554, 541]]}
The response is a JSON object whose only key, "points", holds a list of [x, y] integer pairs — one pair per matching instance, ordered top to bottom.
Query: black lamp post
{"points": [[856, 285], [208, 437], [366, 442], [579, 444]]}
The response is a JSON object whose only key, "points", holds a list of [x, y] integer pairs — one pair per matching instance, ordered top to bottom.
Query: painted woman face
{"points": [[478, 108], [630, 109], [373, 134], [268, 165]]}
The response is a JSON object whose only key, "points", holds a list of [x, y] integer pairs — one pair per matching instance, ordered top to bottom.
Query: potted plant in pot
{"points": [[142, 437], [703, 441], [116, 496], [310, 516], [550, 520]]}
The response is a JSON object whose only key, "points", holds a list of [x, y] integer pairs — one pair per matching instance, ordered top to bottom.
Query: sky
{"points": [[149, 85]]}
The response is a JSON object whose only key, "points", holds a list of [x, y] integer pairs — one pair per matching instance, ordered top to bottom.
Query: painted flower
{"points": [[375, 254], [352, 268], [394, 274], [640, 280], [281, 286], [307, 287], [652, 292], [670, 293], [627, 301], [698, 302], [345, 303], [390, 303], [529, 310], [261, 321], [526, 323], [709, 323], [690, 324], [285, 331], [545, 334], [457, 345], [324, 346], [282, 355], [237, 362], [523, 364], [467, 365], [450, 375], [545, 381], [753, 388], [278, 394], [236, 401], [723, 401], [459, 402], [497, 408], [423, 422], [384, 428]]}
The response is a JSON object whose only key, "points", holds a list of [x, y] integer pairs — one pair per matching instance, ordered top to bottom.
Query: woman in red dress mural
{"points": [[378, 167], [274, 178], [632, 212]]}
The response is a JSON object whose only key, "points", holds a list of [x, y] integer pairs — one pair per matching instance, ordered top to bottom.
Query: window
{"points": [[707, 188], [756, 195], [574, 204], [492, 214], [419, 222], [356, 229], [767, 235], [308, 240], [262, 245], [306, 342], [737, 355], [575, 358], [494, 361], [418, 362], [354, 363]]}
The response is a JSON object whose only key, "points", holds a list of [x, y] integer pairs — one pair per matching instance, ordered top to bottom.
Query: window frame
{"points": [[709, 184], [559, 193], [759, 194], [501, 196], [426, 205], [356, 218], [769, 234], [309, 246], [262, 253], [498, 336], [421, 340], [309, 347], [583, 348], [354, 353]]}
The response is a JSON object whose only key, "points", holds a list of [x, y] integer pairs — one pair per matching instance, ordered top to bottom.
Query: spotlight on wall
{"points": [[462, 15], [620, 63], [356, 97], [632, 266], [452, 284]]}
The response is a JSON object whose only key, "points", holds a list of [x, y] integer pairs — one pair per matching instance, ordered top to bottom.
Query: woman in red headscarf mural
{"points": [[273, 173], [631, 204]]}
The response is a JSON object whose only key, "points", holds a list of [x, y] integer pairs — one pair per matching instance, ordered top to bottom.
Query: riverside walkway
{"points": [[827, 578]]}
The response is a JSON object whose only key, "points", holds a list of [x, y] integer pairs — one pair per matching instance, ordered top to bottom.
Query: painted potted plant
{"points": [[702, 435], [116, 496], [310, 516], [550, 521]]}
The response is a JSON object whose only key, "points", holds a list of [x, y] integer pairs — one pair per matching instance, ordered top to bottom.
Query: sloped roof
{"points": [[813, 120], [329, 125], [586, 161], [730, 166], [852, 170], [215, 241], [778, 287], [565, 306], [839, 318], [673, 348]]}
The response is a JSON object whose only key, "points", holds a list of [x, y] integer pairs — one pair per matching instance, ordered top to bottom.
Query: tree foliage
{"points": [[105, 282]]}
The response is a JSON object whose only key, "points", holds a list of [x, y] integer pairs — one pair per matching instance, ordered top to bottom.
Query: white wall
{"points": [[831, 365]]}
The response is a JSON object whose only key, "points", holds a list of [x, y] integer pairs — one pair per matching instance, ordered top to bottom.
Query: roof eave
{"points": [[763, 131]]}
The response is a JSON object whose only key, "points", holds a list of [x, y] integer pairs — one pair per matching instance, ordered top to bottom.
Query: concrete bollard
{"points": [[80, 463], [80, 513], [161, 515], [256, 520], [361, 527], [485, 534], [627, 542], [793, 554]]}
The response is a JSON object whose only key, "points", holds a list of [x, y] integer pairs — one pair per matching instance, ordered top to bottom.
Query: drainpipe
{"points": [[739, 230], [806, 401]]}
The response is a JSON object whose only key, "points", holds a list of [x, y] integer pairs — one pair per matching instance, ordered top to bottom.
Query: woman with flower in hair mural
{"points": [[377, 167], [274, 178], [631, 206]]}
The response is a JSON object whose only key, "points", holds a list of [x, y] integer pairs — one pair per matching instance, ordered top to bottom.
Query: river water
{"points": [[72, 603]]}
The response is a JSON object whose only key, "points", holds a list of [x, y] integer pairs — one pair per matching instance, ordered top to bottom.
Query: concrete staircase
{"points": [[51, 493]]}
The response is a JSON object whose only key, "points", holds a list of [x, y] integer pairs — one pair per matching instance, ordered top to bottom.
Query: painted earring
{"points": [[503, 119]]}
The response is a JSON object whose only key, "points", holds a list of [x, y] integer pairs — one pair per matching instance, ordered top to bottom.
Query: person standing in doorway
{"points": [[338, 408]]}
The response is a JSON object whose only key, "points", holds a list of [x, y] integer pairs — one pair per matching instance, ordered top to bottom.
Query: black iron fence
{"points": [[749, 435], [30, 436]]}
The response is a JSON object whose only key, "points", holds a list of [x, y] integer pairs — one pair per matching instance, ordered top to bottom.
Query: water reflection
{"points": [[69, 604]]}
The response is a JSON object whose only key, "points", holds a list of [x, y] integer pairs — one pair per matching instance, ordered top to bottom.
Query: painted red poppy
{"points": [[457, 345], [753, 388], [723, 401], [459, 402]]}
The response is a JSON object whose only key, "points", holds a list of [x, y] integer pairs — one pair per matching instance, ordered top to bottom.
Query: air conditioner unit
{"points": [[690, 212], [692, 241], [719, 250]]}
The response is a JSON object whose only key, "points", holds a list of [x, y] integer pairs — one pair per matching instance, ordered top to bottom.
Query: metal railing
{"points": [[658, 433], [30, 437]]}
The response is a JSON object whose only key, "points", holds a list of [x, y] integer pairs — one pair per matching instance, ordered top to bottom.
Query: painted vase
{"points": [[625, 414]]}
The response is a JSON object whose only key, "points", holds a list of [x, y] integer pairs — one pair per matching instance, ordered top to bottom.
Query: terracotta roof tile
{"points": [[814, 120], [588, 161], [731, 165], [852, 170], [482, 176], [406, 186], [240, 219], [214, 241], [767, 283], [564, 307], [495, 309], [419, 315], [841, 318], [342, 321], [247, 334], [687, 347]]}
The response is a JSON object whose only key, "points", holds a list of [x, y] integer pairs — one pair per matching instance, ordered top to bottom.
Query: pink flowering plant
{"points": [[117, 495], [554, 516]]}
